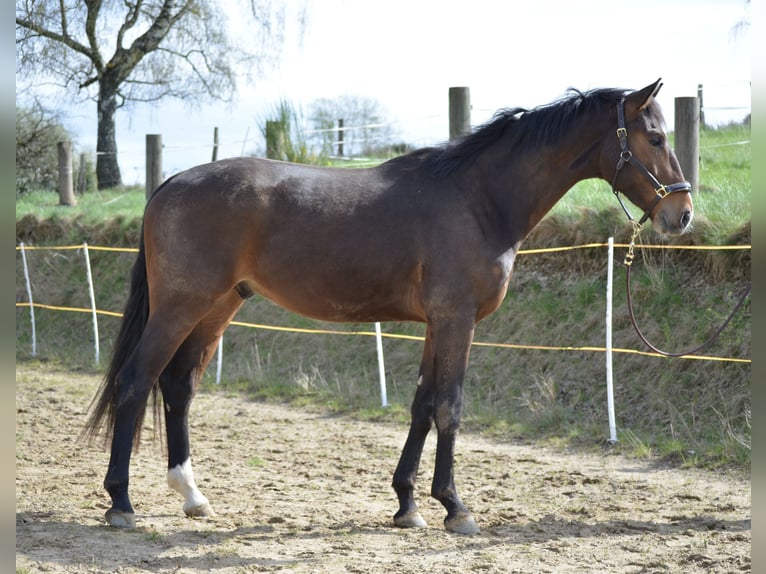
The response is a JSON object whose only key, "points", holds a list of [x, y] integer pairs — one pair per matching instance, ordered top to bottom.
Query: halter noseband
{"points": [[626, 156]]}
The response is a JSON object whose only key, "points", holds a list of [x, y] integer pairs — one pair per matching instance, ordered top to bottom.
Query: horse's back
{"points": [[240, 185]]}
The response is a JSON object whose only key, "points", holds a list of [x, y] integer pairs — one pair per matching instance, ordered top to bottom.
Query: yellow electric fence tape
{"points": [[415, 337]]}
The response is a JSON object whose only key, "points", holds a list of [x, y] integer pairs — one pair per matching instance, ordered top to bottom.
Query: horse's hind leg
{"points": [[134, 382], [178, 383], [422, 412]]}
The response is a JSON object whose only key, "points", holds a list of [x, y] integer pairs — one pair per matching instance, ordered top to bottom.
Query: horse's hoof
{"points": [[199, 511], [120, 519], [410, 520], [462, 523]]}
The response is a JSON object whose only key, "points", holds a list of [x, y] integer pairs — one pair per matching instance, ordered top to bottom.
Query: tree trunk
{"points": [[107, 167]]}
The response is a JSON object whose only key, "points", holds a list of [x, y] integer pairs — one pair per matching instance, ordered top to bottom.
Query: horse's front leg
{"points": [[452, 343], [422, 412]]}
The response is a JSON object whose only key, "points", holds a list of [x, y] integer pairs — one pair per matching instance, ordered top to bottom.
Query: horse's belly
{"points": [[344, 295], [351, 309]]}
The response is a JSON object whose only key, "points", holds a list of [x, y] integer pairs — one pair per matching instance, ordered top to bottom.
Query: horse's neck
{"points": [[526, 186]]}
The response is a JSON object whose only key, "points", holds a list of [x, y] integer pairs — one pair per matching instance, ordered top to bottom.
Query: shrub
{"points": [[38, 130]]}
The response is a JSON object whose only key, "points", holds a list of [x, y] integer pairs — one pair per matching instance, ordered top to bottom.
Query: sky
{"points": [[406, 54]]}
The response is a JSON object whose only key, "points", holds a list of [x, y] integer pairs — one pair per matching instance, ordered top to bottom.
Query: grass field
{"points": [[688, 411]]}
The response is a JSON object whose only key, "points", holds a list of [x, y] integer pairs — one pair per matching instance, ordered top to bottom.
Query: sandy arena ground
{"points": [[301, 491]]}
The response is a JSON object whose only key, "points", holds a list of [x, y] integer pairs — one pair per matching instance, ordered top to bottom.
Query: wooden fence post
{"points": [[459, 112], [341, 132], [687, 139], [215, 144], [153, 163], [82, 174], [66, 185]]}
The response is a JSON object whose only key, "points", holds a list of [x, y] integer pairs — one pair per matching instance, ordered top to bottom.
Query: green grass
{"points": [[725, 178], [97, 207], [687, 412], [255, 462]]}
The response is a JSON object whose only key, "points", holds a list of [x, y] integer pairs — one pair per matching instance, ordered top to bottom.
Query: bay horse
{"points": [[429, 236]]}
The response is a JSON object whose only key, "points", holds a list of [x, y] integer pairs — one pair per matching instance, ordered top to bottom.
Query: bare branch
{"points": [[94, 7], [130, 19], [64, 27], [55, 36], [151, 39], [124, 61], [202, 73], [90, 81]]}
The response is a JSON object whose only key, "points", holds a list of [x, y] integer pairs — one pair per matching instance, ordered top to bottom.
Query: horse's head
{"points": [[641, 164]]}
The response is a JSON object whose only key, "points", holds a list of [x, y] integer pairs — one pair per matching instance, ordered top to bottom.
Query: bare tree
{"points": [[743, 25], [118, 52], [365, 123]]}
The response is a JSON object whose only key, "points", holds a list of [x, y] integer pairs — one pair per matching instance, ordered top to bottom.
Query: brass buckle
{"points": [[622, 133], [662, 192]]}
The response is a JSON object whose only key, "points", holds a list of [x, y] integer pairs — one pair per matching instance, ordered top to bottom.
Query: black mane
{"points": [[531, 129]]}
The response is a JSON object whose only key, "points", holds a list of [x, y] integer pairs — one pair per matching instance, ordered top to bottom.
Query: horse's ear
{"points": [[640, 99]]}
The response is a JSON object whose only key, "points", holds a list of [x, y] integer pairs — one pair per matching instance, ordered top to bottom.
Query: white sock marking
{"points": [[181, 479]]}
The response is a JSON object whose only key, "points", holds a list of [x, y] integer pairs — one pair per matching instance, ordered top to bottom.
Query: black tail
{"points": [[134, 320]]}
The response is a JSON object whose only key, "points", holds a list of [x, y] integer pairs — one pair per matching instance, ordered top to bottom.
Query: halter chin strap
{"points": [[626, 157]]}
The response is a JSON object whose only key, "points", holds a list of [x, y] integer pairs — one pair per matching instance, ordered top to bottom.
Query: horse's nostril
{"points": [[686, 218]]}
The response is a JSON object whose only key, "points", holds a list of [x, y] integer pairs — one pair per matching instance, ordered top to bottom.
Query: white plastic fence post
{"points": [[92, 295], [29, 296], [219, 365], [381, 366], [609, 382]]}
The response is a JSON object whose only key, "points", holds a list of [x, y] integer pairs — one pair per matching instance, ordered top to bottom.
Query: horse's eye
{"points": [[657, 141]]}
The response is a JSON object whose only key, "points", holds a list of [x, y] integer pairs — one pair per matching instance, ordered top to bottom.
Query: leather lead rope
{"points": [[628, 264]]}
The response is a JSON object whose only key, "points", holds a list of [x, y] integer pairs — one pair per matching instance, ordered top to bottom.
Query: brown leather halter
{"points": [[626, 157], [661, 191]]}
